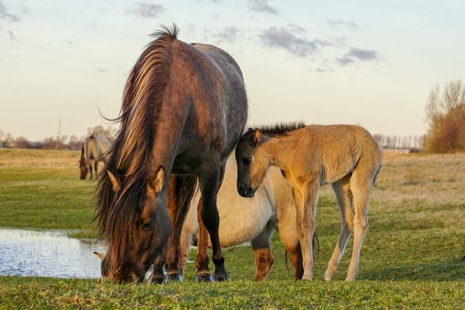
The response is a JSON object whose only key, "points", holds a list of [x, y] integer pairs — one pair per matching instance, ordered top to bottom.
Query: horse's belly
{"points": [[242, 219]]}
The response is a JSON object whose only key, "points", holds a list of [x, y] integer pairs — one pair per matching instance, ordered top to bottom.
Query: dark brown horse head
{"points": [[83, 169], [251, 169], [139, 236]]}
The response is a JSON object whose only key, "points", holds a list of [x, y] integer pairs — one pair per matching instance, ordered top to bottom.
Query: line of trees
{"points": [[445, 114], [62, 142], [413, 143]]}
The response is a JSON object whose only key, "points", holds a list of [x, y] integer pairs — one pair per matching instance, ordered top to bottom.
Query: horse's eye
{"points": [[246, 160], [147, 226]]}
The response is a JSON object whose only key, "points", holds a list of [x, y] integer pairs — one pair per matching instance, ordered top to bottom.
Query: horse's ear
{"points": [[256, 137], [157, 180], [114, 181], [100, 255]]}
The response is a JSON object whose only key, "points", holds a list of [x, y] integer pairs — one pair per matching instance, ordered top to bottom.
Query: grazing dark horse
{"points": [[184, 110], [93, 150], [345, 156]]}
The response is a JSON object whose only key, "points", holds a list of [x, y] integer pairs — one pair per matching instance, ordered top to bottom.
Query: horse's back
{"points": [[216, 90], [97, 146]]}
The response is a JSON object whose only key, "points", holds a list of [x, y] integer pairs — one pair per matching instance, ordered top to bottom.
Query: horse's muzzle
{"points": [[245, 191]]}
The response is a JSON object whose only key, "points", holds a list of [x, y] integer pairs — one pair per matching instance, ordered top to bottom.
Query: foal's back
{"points": [[336, 150]]}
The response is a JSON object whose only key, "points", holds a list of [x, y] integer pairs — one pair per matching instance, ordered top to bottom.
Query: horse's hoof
{"points": [[174, 277], [204, 278], [221, 278]]}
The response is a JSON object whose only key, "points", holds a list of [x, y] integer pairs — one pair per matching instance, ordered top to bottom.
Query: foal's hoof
{"points": [[174, 277], [204, 278]]}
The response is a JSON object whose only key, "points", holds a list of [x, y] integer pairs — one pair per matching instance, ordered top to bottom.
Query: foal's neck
{"points": [[280, 150]]}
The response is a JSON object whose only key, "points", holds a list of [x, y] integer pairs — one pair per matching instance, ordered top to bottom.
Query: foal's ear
{"points": [[256, 137], [157, 180], [114, 181]]}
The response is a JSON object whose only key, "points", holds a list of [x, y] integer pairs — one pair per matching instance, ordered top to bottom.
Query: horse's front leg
{"points": [[89, 167], [96, 167], [209, 186], [306, 200], [158, 276]]}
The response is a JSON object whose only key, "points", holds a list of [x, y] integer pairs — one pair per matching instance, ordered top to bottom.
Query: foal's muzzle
{"points": [[246, 191]]}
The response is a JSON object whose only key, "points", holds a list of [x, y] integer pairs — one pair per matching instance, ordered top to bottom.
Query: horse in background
{"points": [[184, 110], [93, 150], [345, 156], [242, 220]]}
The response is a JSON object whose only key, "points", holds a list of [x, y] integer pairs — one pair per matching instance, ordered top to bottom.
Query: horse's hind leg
{"points": [[360, 186], [344, 201], [261, 246], [201, 260]]}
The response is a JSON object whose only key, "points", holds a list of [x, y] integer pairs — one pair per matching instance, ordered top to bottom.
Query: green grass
{"points": [[38, 193], [412, 257], [24, 293]]}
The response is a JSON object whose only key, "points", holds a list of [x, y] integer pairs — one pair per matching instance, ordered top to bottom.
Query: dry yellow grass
{"points": [[25, 158], [416, 178], [432, 179], [421, 189]]}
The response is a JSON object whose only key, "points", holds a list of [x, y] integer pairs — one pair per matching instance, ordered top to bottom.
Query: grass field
{"points": [[413, 255]]}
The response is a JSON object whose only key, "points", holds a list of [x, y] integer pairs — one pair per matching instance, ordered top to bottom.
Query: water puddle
{"points": [[47, 254]]}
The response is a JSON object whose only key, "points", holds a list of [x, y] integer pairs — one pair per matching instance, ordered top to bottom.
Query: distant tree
{"points": [[446, 119], [101, 131], [22, 142], [75, 143]]}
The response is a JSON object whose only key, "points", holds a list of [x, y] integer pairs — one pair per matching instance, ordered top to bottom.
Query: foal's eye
{"points": [[246, 160], [147, 225]]}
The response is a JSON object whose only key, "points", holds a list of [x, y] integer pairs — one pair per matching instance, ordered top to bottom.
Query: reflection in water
{"points": [[47, 254]]}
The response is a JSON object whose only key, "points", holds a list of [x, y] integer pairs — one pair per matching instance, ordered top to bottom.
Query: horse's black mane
{"points": [[279, 128]]}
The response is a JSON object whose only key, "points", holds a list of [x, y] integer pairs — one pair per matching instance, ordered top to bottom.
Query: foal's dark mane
{"points": [[280, 129], [130, 155]]}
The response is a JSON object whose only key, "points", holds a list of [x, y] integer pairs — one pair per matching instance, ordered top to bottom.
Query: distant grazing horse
{"points": [[184, 110], [92, 151], [345, 156], [255, 219]]}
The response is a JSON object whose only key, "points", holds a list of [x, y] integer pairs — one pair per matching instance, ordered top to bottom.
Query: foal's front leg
{"points": [[306, 200]]}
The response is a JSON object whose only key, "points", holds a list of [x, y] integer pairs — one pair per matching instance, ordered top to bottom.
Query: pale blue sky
{"points": [[365, 62]]}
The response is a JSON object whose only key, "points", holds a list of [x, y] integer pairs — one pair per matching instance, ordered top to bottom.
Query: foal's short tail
{"points": [[299, 265]]}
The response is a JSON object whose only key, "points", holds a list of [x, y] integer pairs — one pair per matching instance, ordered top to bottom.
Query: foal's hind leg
{"points": [[360, 186], [306, 200], [344, 201]]}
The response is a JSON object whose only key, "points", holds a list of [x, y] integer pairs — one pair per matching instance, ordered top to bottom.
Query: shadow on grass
{"points": [[440, 271]]}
